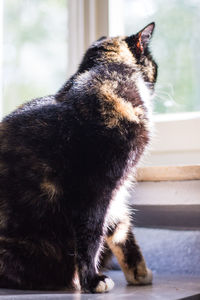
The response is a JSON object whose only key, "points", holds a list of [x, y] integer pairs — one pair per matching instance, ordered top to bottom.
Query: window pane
{"points": [[175, 46], [35, 49]]}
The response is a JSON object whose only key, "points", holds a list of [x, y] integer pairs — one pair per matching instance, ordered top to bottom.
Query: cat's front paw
{"points": [[102, 284]]}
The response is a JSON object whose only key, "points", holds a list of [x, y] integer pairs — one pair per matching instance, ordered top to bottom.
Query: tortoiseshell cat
{"points": [[65, 162]]}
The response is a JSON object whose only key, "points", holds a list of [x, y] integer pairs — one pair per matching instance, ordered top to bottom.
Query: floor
{"points": [[171, 251], [173, 256], [164, 287]]}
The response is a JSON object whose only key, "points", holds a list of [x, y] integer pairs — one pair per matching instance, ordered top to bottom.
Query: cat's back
{"points": [[34, 104]]}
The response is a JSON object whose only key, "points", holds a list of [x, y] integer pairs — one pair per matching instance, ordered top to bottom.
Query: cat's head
{"points": [[132, 50]]}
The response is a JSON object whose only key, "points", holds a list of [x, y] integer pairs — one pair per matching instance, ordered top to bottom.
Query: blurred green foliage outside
{"points": [[175, 47], [35, 49]]}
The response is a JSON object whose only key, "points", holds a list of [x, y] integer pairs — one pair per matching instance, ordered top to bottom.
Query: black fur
{"points": [[61, 159]]}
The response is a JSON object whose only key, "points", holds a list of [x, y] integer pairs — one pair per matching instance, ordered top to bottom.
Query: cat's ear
{"points": [[143, 37], [101, 39], [98, 42]]}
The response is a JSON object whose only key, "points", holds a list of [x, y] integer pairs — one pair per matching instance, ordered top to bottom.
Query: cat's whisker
{"points": [[163, 94]]}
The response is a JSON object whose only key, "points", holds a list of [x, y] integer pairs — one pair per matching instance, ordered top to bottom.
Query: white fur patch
{"points": [[145, 93], [147, 97], [118, 208], [120, 234], [104, 286]]}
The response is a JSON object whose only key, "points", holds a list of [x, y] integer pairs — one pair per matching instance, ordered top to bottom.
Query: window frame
{"points": [[88, 20]]}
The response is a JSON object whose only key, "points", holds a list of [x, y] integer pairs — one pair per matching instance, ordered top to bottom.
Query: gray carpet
{"points": [[170, 251]]}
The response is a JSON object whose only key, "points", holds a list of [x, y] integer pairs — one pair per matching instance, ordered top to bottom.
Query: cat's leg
{"points": [[89, 242], [123, 245]]}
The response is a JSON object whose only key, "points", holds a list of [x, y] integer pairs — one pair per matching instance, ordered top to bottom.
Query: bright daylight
{"points": [[100, 149]]}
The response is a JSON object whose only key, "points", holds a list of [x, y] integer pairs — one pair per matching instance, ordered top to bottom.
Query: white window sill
{"points": [[175, 140]]}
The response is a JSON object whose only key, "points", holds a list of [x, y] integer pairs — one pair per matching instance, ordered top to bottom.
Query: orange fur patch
{"points": [[119, 52], [122, 109], [49, 189], [128, 272]]}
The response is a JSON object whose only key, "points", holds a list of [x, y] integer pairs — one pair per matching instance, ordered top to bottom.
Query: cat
{"points": [[66, 162]]}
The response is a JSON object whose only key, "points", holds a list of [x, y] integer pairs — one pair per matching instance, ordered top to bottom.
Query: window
{"points": [[175, 46], [34, 49], [36, 60]]}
